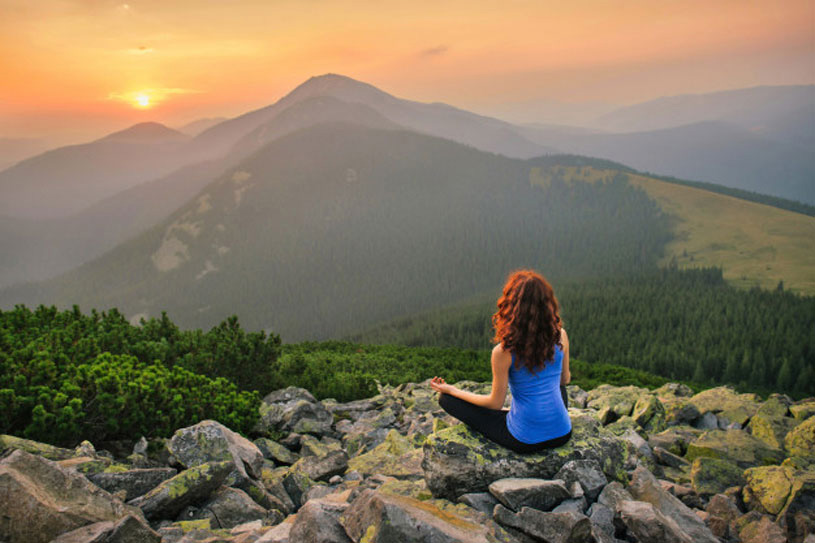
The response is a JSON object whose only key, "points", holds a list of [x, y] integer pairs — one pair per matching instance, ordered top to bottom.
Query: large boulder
{"points": [[614, 402], [728, 406], [293, 409], [772, 429], [675, 439], [801, 440], [211, 441], [735, 446], [45, 450], [395, 457], [458, 461], [322, 468], [587, 473], [711, 476], [134, 482], [769, 486], [188, 487], [645, 487], [536, 493], [41, 500], [228, 507], [377, 517], [797, 517], [318, 522], [647, 523], [552, 527], [128, 529]]}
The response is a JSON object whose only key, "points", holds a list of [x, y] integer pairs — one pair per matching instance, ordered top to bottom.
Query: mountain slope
{"points": [[338, 226]]}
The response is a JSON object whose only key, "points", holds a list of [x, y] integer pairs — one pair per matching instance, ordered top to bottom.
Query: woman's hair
{"points": [[527, 320]]}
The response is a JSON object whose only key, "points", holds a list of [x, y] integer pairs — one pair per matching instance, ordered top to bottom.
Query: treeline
{"points": [[679, 324]]}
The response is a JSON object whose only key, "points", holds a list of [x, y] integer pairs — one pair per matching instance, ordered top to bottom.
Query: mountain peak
{"points": [[339, 86], [146, 132]]}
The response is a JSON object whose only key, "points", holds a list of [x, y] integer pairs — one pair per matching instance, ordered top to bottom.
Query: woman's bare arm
{"points": [[500, 361], [566, 375]]}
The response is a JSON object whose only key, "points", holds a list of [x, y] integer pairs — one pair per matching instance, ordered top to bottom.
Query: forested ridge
{"points": [[679, 324]]}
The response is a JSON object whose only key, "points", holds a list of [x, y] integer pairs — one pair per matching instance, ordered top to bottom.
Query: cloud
{"points": [[142, 50], [437, 51]]}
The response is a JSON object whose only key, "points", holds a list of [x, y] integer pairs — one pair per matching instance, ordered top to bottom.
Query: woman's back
{"points": [[537, 412]]}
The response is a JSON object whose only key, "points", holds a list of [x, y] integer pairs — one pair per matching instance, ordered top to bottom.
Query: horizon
{"points": [[76, 71]]}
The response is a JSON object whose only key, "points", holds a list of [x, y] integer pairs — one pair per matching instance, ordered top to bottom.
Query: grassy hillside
{"points": [[754, 244]]}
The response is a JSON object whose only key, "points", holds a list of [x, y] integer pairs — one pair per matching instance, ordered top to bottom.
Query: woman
{"points": [[532, 357]]}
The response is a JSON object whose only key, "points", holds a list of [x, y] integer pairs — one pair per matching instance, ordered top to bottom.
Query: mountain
{"points": [[435, 119], [196, 127], [13, 150], [712, 151], [65, 180], [337, 226]]}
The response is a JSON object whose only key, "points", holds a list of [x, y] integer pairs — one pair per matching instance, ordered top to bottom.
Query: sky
{"points": [[73, 69]]}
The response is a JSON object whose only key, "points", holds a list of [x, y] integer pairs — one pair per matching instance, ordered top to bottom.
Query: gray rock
{"points": [[293, 410], [708, 421], [211, 441], [140, 447], [272, 450], [669, 459], [457, 461], [321, 468], [587, 473], [134, 482], [296, 485], [188, 487], [644, 487], [539, 494], [613, 494], [40, 500], [480, 501], [576, 505], [229, 507], [386, 518], [602, 518], [317, 522], [647, 523], [568, 527], [128, 529], [279, 533]]}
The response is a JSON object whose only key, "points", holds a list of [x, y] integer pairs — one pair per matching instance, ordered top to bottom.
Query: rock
{"points": [[673, 390], [577, 396], [616, 401], [727, 405], [777, 405], [293, 409], [804, 409], [680, 411], [649, 413], [707, 421], [772, 429], [675, 439], [211, 441], [800, 441], [311, 446], [736, 446], [34, 447], [140, 447], [272, 450], [395, 456], [669, 459], [457, 460], [321, 468], [587, 473], [712, 476], [272, 480], [134, 482], [296, 485], [190, 486], [770, 486], [644, 487], [538, 494], [612, 495], [42, 500], [480, 501], [576, 505], [230, 507], [722, 511], [376, 517], [602, 518], [797, 518], [647, 523], [568, 527], [128, 529], [761, 530], [279, 533]]}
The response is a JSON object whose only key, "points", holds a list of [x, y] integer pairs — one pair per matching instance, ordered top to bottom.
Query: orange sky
{"points": [[72, 67]]}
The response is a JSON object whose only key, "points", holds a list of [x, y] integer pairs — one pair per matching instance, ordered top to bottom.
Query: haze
{"points": [[75, 70]]}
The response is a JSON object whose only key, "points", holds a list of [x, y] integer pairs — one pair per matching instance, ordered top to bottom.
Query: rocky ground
{"points": [[642, 466]]}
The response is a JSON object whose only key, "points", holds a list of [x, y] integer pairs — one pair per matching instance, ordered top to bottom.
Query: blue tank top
{"points": [[537, 412]]}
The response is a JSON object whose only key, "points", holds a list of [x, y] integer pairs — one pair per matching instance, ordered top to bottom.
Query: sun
{"points": [[142, 100]]}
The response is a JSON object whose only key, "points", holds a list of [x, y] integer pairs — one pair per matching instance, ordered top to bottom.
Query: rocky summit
{"points": [[660, 465]]}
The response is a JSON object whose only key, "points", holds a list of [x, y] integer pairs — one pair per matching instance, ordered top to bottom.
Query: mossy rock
{"points": [[615, 401], [727, 404], [777, 405], [803, 409], [649, 413], [772, 429], [675, 439], [800, 441], [736, 446], [45, 450], [394, 457], [458, 460], [711, 476], [770, 486], [416, 489]]}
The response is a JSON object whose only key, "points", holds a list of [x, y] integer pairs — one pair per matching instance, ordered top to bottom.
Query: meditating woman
{"points": [[532, 357]]}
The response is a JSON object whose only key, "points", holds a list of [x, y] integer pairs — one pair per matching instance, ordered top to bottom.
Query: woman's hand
{"points": [[438, 384]]}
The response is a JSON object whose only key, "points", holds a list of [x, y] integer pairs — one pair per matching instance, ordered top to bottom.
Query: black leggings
{"points": [[492, 423]]}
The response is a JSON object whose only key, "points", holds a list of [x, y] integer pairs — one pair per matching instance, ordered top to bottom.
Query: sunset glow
{"points": [[80, 60]]}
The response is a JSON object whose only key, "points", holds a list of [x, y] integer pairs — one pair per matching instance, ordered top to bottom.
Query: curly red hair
{"points": [[527, 321]]}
